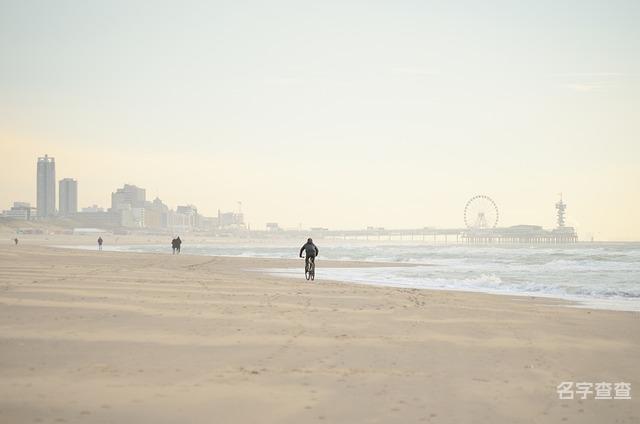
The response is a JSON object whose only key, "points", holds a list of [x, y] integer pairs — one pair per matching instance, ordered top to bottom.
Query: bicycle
{"points": [[310, 268]]}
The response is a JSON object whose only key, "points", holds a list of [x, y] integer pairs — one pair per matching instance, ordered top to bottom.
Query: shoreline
{"points": [[583, 302]]}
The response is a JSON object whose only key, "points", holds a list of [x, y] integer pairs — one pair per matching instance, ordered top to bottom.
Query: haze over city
{"points": [[341, 115], [297, 212]]}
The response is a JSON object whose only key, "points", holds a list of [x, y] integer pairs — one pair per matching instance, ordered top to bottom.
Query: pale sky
{"points": [[341, 114]]}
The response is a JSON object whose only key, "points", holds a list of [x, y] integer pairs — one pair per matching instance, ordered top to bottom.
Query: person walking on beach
{"points": [[15, 240], [100, 243], [178, 243], [173, 246], [311, 250]]}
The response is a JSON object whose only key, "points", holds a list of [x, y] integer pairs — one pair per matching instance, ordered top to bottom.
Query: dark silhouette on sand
{"points": [[175, 245], [311, 250]]}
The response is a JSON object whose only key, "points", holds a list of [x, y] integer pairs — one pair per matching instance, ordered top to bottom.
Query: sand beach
{"points": [[101, 337]]}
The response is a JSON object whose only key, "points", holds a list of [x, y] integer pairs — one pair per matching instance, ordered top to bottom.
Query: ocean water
{"points": [[596, 275]]}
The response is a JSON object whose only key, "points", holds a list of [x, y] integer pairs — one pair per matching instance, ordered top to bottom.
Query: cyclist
{"points": [[311, 252]]}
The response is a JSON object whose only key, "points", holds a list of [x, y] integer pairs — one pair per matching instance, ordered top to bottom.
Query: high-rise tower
{"points": [[68, 192], [46, 196]]}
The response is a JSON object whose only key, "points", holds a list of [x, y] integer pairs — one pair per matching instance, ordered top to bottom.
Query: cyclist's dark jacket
{"points": [[310, 249]]}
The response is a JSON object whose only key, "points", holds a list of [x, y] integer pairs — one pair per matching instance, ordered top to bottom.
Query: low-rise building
{"points": [[94, 208], [20, 210], [230, 220], [273, 227]]}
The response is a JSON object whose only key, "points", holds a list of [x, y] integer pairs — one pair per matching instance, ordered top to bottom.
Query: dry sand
{"points": [[135, 338]]}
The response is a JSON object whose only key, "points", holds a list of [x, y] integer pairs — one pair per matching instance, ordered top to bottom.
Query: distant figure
{"points": [[15, 240], [100, 241], [178, 243], [174, 246], [311, 251]]}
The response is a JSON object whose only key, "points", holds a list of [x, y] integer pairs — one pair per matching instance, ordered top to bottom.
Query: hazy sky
{"points": [[341, 114]]}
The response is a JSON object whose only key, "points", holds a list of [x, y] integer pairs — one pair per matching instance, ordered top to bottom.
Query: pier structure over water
{"points": [[480, 217], [518, 234], [529, 234], [436, 235]]}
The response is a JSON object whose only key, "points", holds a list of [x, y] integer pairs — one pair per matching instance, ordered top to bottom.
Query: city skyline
{"points": [[342, 115], [131, 209]]}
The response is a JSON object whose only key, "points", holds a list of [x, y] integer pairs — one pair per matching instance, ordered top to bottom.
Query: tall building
{"points": [[68, 192], [46, 197], [127, 197], [127, 204], [157, 214]]}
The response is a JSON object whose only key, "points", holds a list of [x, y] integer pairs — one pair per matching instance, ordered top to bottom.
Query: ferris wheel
{"points": [[481, 212]]}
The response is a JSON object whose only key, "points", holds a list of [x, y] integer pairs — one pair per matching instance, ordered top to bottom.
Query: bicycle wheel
{"points": [[307, 270], [312, 271]]}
